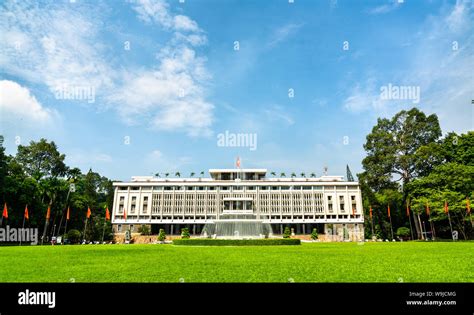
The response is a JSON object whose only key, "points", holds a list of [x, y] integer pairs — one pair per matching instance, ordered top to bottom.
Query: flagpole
{"points": [[62, 215], [409, 220], [372, 222], [46, 223], [23, 226], [85, 226], [391, 226], [450, 226], [411, 227], [65, 231], [103, 231], [433, 232]]}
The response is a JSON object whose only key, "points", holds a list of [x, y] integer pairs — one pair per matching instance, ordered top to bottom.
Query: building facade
{"points": [[328, 203]]}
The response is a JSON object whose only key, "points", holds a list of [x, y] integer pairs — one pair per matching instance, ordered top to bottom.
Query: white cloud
{"points": [[385, 8], [157, 11], [183, 23], [283, 33], [53, 45], [61, 45], [443, 74], [172, 96], [364, 97], [17, 101], [278, 113], [158, 161]]}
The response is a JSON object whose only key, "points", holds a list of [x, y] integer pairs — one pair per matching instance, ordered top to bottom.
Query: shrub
{"points": [[144, 230], [287, 232], [403, 232], [185, 233], [314, 234], [162, 235], [74, 236], [252, 242]]}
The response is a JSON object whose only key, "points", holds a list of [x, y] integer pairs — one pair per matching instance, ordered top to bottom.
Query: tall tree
{"points": [[392, 147], [41, 159]]}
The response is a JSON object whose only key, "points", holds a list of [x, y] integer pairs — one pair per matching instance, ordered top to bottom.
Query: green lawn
{"points": [[315, 262]]}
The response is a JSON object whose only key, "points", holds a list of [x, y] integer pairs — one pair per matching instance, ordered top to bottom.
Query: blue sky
{"points": [[167, 79]]}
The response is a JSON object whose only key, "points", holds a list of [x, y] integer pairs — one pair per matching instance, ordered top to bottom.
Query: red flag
{"points": [[237, 163], [468, 206], [427, 209], [446, 209], [388, 210], [408, 210], [5, 211], [88, 212], [370, 212], [26, 213], [48, 213], [67, 214], [107, 214], [124, 214]]}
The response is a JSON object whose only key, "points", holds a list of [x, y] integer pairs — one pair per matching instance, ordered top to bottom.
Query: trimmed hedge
{"points": [[222, 242]]}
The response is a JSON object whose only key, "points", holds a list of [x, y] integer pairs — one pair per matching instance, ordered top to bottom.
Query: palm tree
{"points": [[202, 173], [157, 174], [167, 174], [177, 174], [192, 174], [273, 174], [303, 174], [282, 175], [293, 175], [313, 175]]}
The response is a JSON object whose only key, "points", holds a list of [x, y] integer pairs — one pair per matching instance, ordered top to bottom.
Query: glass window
{"points": [[145, 204]]}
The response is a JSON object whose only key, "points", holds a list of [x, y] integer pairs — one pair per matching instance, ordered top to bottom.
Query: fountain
{"points": [[237, 226]]}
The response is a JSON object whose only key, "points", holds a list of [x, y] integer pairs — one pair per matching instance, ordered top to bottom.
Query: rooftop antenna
{"points": [[325, 171], [349, 176]]}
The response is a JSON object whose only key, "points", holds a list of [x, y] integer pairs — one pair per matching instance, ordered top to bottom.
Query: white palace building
{"points": [[328, 203]]}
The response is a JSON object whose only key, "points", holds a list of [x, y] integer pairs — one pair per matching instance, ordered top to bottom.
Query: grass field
{"points": [[315, 262]]}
